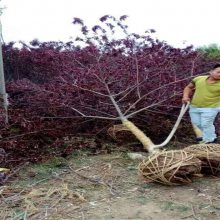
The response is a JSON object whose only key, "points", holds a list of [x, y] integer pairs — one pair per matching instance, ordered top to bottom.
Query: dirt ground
{"points": [[103, 187]]}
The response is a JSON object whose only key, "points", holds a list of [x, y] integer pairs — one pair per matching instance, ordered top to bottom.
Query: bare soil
{"points": [[103, 187]]}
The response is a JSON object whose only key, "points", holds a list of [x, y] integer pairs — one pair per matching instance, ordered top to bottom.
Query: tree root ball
{"points": [[121, 134], [209, 154], [174, 167]]}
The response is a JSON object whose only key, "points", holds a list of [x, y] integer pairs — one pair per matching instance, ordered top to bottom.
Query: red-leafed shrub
{"points": [[60, 89]]}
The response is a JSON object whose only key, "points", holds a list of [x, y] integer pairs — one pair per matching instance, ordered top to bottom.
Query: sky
{"points": [[178, 22]]}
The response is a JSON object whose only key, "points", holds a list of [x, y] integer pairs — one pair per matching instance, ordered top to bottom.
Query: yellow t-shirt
{"points": [[206, 94]]}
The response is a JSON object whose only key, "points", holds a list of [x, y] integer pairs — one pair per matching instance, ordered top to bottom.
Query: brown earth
{"points": [[103, 187]]}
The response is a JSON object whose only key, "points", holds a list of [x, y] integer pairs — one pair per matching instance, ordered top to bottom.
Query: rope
{"points": [[182, 112], [112, 131], [209, 154], [170, 167]]}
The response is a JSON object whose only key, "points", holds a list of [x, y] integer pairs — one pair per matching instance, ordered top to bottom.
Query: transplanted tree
{"points": [[103, 77], [120, 78]]}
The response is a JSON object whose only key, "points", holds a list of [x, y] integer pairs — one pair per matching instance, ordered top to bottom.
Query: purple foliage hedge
{"points": [[60, 89]]}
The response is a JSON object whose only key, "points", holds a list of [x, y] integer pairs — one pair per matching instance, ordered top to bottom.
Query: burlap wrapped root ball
{"points": [[209, 154], [175, 167]]}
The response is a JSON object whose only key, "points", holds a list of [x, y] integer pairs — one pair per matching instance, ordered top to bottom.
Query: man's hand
{"points": [[187, 93], [185, 100]]}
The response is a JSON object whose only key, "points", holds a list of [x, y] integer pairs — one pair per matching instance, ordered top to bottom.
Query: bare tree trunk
{"points": [[147, 143]]}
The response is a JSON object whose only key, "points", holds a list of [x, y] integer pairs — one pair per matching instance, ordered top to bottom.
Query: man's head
{"points": [[215, 72]]}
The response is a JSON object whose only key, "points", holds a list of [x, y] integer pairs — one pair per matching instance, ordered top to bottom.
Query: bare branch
{"points": [[137, 77], [131, 89], [92, 91], [117, 94], [145, 95], [105, 103], [115, 103], [142, 109], [95, 110], [78, 111], [94, 116]]}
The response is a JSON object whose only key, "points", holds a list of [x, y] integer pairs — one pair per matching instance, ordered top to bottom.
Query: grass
{"points": [[40, 172], [34, 173], [143, 200], [172, 206]]}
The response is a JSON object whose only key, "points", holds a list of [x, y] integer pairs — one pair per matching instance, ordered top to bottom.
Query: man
{"points": [[205, 103]]}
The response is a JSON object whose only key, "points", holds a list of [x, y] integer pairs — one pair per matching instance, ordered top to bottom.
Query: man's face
{"points": [[215, 73]]}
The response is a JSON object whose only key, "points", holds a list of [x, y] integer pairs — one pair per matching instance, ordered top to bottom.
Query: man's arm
{"points": [[187, 92]]}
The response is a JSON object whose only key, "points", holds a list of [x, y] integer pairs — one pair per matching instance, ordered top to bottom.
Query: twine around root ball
{"points": [[209, 154], [173, 167]]}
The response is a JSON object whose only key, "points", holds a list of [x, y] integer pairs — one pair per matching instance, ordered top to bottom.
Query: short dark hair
{"points": [[216, 66]]}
